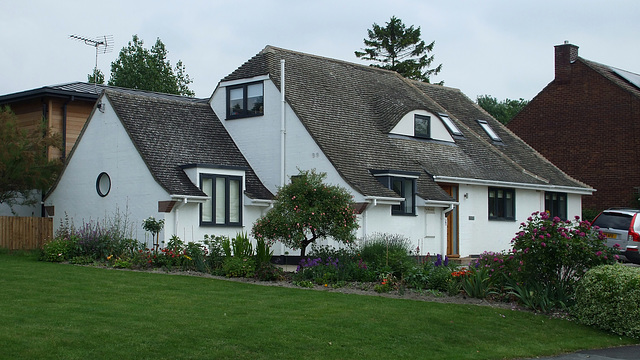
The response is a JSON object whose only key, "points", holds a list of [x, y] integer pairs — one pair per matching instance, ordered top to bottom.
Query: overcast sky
{"points": [[500, 48]]}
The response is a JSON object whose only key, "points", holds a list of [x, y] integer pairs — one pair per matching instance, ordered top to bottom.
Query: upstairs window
{"points": [[245, 100], [422, 126], [451, 126], [487, 128], [404, 185], [502, 204], [556, 204], [224, 208]]}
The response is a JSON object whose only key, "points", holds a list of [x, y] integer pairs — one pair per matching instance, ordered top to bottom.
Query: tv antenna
{"points": [[103, 44]]}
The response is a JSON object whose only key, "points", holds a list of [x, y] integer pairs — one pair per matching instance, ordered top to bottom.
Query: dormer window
{"points": [[245, 100], [422, 126], [451, 126], [487, 128], [404, 184]]}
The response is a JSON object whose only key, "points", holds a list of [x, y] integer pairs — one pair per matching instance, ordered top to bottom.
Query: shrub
{"points": [[60, 249], [387, 250], [216, 253], [556, 254], [237, 266], [266, 271], [607, 297]]}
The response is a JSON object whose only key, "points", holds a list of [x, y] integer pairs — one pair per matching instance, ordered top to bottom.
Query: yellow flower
{"points": [[187, 256]]}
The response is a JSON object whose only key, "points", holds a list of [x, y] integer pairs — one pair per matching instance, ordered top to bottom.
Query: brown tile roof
{"points": [[349, 110], [170, 133]]}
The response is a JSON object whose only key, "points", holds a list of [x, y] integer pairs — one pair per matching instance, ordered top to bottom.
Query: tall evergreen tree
{"points": [[399, 48], [139, 68]]}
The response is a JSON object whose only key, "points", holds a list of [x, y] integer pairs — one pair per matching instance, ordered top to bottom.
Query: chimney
{"points": [[566, 54]]}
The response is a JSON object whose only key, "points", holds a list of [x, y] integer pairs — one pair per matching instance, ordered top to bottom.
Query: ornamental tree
{"points": [[305, 210]]}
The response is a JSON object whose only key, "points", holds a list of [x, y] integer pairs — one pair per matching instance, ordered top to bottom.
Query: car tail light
{"points": [[633, 236]]}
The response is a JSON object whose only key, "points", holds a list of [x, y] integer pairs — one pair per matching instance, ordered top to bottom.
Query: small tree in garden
{"points": [[306, 210], [154, 227]]}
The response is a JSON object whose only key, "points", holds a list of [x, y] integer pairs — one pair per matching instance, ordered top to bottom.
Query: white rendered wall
{"points": [[259, 140], [106, 147], [479, 234]]}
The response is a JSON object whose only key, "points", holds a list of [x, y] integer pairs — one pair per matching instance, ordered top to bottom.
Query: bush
{"points": [[60, 249], [387, 250], [555, 254], [237, 266], [607, 297]]}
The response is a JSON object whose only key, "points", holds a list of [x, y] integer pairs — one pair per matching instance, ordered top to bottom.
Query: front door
{"points": [[453, 249]]}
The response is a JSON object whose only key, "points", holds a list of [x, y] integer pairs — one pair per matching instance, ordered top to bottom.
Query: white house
{"points": [[148, 154], [421, 160]]}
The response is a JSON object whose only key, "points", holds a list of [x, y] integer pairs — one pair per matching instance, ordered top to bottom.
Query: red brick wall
{"points": [[590, 128]]}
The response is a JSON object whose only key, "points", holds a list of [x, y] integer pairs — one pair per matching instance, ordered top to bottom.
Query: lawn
{"points": [[60, 311]]}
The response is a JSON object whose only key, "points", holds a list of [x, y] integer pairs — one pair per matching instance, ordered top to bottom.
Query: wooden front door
{"points": [[453, 249]]}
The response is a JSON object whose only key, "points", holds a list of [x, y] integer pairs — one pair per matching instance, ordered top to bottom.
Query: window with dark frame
{"points": [[245, 100], [422, 126], [405, 187], [502, 204], [556, 204], [224, 208]]}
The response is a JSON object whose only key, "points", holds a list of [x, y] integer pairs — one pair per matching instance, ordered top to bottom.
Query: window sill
{"points": [[243, 116]]}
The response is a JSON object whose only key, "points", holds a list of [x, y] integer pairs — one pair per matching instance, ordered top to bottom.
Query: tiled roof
{"points": [[349, 110], [169, 133]]}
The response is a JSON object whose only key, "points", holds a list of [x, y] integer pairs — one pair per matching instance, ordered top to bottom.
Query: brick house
{"points": [[587, 121]]}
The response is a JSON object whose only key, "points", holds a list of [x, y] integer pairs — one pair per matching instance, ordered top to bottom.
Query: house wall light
{"points": [[466, 195]]}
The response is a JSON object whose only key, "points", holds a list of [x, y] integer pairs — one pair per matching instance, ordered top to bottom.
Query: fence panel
{"points": [[24, 233]]}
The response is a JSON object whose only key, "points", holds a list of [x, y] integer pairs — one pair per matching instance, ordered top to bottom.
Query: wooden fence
{"points": [[24, 233]]}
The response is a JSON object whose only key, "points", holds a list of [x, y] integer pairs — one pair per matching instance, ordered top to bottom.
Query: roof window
{"points": [[451, 126], [487, 128]]}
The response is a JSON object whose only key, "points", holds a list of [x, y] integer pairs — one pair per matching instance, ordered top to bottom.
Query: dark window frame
{"points": [[244, 113], [426, 118], [406, 183], [227, 199], [556, 207], [501, 209]]}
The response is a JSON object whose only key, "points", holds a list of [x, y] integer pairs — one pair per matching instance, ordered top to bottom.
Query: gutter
{"points": [[558, 188], [190, 198], [375, 200]]}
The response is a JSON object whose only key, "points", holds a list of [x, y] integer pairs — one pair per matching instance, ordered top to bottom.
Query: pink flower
{"points": [[543, 244]]}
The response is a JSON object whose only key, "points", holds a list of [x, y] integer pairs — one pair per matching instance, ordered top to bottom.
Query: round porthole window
{"points": [[103, 184]]}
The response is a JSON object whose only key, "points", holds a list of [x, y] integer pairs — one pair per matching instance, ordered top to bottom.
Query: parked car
{"points": [[622, 227]]}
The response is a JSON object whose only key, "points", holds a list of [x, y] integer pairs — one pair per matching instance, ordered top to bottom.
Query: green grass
{"points": [[69, 312]]}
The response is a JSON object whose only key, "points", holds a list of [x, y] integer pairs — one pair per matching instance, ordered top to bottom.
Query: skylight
{"points": [[487, 128], [453, 129]]}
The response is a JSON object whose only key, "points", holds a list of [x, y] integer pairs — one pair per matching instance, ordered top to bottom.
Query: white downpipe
{"points": [[283, 128], [176, 215]]}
